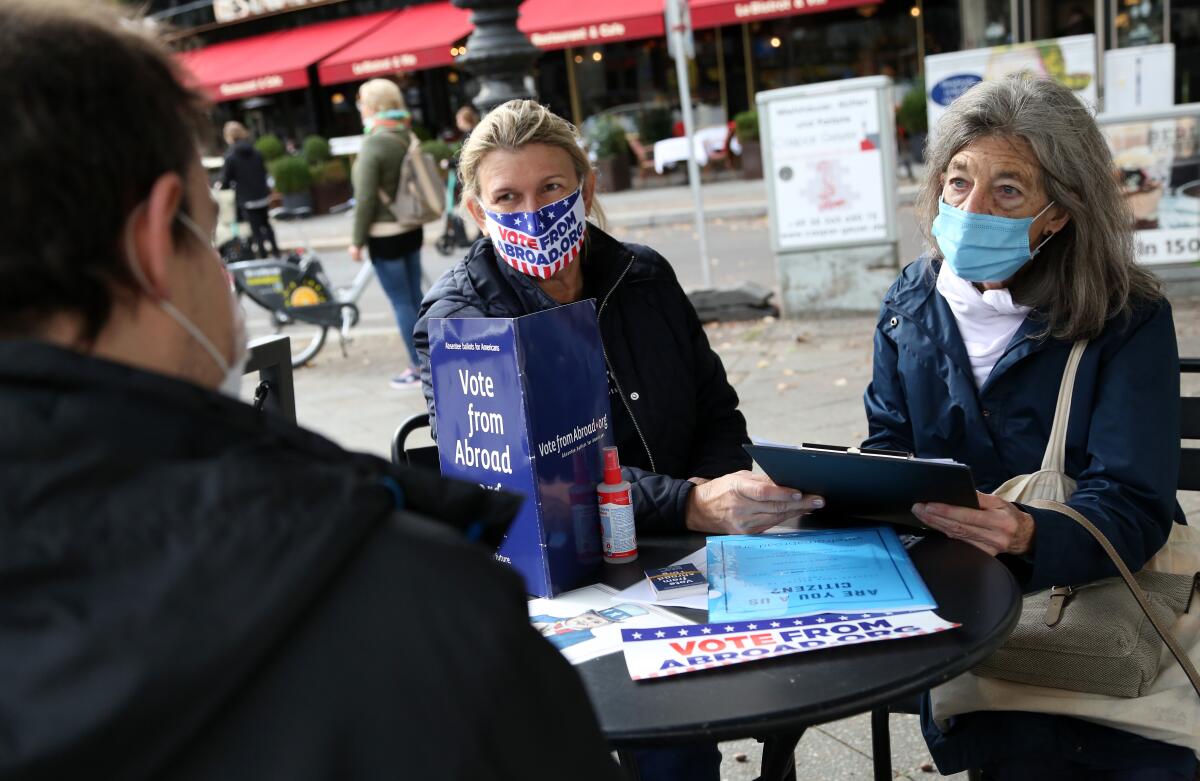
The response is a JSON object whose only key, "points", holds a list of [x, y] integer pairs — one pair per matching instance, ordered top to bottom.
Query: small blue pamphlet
{"points": [[808, 572], [677, 580]]}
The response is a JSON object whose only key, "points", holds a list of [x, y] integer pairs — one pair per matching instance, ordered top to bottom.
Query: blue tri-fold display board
{"points": [[522, 405]]}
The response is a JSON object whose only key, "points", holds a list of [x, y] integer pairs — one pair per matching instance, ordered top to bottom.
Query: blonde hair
{"points": [[381, 95], [513, 126], [234, 132]]}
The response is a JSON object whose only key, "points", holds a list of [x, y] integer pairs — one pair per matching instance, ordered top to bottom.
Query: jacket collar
{"points": [[511, 294], [917, 299]]}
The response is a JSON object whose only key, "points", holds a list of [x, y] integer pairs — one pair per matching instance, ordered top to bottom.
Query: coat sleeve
{"points": [[227, 173], [365, 177], [435, 306], [888, 425], [1128, 487], [659, 501]]}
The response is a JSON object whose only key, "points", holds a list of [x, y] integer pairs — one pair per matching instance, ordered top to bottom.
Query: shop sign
{"points": [[236, 10], [583, 34], [1070, 61], [396, 62], [234, 89], [1158, 161]]}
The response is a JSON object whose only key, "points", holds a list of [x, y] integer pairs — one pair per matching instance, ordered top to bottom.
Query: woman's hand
{"points": [[355, 253], [744, 503], [997, 527]]}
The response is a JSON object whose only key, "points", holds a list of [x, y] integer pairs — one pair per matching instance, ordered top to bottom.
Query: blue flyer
{"points": [[522, 405], [807, 572]]}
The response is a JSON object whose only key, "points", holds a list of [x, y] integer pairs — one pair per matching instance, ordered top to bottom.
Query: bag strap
{"points": [[383, 196], [1055, 458], [1176, 650]]}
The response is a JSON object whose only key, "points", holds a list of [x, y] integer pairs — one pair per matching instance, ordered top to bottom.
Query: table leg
{"points": [[881, 744], [779, 757], [628, 763]]}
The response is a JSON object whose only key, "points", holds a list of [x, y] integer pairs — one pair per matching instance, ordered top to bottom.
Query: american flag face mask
{"points": [[543, 242]]}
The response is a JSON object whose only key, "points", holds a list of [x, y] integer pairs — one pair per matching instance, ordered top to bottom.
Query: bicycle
{"points": [[297, 292]]}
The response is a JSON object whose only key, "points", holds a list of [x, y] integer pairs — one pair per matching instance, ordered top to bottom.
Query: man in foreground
{"points": [[189, 589]]}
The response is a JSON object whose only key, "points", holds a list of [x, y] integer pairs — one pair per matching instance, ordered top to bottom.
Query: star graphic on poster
{"points": [[843, 618], [820, 620], [797, 622], [774, 624], [752, 626], [728, 628], [706, 631], [660, 633], [683, 633], [636, 635]]}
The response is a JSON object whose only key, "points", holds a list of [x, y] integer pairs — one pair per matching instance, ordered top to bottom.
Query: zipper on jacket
{"points": [[612, 373]]}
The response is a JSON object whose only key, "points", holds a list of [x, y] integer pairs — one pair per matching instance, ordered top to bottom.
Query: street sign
{"points": [[679, 27]]}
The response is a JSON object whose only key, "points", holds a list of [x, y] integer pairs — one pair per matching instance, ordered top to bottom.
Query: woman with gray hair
{"points": [[1031, 251]]}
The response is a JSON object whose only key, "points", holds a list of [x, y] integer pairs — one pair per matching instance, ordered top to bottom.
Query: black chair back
{"points": [[1189, 428], [425, 456]]}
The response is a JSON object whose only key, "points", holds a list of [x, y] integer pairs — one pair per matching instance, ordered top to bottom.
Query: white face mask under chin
{"points": [[231, 382]]}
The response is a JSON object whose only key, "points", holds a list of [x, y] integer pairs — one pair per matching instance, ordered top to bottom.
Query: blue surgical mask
{"points": [[984, 247]]}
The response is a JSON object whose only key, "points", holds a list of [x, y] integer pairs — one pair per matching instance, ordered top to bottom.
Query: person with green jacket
{"points": [[394, 251]]}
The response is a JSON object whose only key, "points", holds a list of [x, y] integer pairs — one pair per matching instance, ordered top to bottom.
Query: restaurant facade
{"points": [[293, 66]]}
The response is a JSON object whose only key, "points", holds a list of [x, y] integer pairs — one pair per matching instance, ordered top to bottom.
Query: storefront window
{"points": [[1138, 22], [986, 23], [810, 48]]}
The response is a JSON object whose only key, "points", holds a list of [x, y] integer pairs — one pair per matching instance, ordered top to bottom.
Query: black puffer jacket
{"points": [[245, 172], [675, 414], [191, 590]]}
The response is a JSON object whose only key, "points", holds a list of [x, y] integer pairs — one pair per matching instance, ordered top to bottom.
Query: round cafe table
{"points": [[776, 699]]}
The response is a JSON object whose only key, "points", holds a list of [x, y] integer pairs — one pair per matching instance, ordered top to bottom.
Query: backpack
{"points": [[419, 195]]}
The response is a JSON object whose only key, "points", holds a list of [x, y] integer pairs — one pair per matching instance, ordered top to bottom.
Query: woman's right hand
{"points": [[355, 253], [745, 503]]}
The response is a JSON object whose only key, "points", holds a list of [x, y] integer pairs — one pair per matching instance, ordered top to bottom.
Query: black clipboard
{"points": [[873, 485]]}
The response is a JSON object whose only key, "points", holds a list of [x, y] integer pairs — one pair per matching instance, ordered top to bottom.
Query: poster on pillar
{"points": [[1071, 61], [828, 153], [1157, 156], [522, 406]]}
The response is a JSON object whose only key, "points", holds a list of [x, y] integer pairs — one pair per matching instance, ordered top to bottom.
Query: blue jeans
{"points": [[401, 281], [686, 762]]}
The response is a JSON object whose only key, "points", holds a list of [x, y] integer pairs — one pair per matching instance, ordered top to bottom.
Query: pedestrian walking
{"points": [[246, 173], [394, 250]]}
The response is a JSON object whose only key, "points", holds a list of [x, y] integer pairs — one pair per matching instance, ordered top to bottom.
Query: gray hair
{"points": [[1087, 273]]}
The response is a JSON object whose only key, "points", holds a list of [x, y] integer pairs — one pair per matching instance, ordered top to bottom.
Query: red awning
{"points": [[718, 13], [554, 24], [416, 38], [274, 62]]}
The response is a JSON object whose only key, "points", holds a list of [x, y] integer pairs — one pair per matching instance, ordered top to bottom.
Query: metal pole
{"points": [[920, 6], [720, 32], [749, 64], [573, 87], [689, 129]]}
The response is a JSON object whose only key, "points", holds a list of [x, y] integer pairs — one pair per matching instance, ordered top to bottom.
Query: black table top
{"points": [[763, 698]]}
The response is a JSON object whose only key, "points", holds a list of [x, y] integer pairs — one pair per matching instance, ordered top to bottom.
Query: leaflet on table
{"points": [[808, 572], [585, 623], [659, 652]]}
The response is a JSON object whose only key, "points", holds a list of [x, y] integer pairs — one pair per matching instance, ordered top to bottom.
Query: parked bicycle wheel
{"points": [[307, 338]]}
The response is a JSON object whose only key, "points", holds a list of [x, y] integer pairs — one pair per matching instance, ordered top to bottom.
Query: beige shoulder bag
{"points": [[1095, 651]]}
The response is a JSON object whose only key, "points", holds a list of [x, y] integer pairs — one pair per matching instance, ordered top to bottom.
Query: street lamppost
{"points": [[498, 54]]}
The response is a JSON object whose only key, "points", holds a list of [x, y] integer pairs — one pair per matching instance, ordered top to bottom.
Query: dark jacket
{"points": [[245, 172], [675, 414], [1122, 447], [191, 590]]}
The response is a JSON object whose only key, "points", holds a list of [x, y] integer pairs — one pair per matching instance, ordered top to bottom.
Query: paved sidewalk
{"points": [[799, 380]]}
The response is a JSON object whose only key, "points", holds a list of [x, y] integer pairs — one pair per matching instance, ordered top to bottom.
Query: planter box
{"points": [[752, 160], [613, 174], [326, 196]]}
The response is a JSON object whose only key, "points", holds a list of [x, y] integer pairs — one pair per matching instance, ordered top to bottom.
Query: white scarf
{"points": [[986, 321]]}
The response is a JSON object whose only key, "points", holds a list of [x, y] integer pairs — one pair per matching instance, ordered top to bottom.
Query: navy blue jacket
{"points": [[674, 412], [1122, 448]]}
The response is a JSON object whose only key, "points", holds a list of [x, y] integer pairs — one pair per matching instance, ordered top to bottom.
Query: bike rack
{"points": [[271, 357]]}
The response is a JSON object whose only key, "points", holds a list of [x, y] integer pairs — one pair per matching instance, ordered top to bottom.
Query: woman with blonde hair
{"points": [[395, 249], [1031, 260], [675, 416]]}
